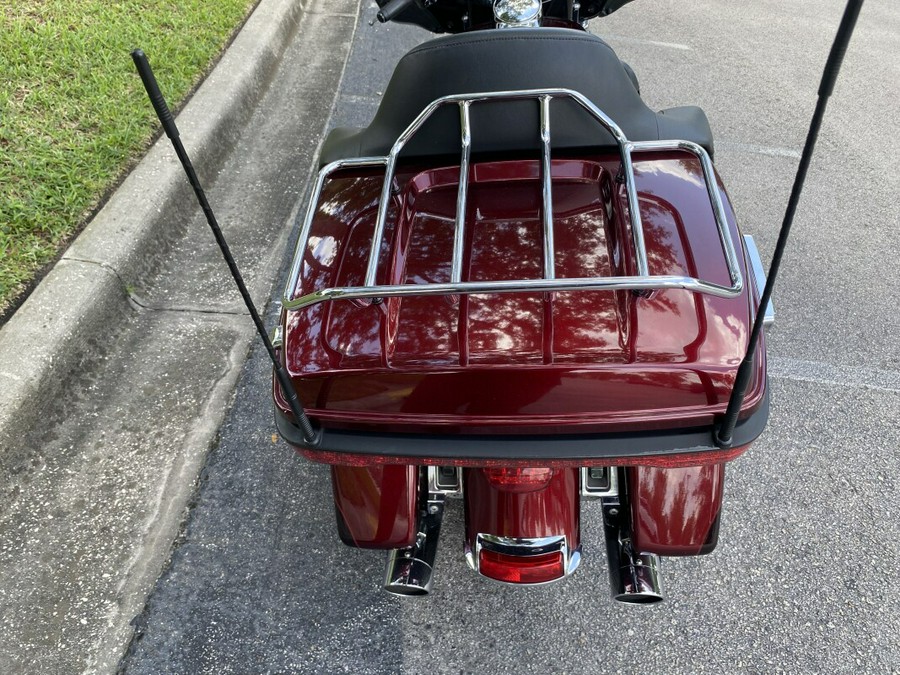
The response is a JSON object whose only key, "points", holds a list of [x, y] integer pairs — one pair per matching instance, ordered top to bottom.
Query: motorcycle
{"points": [[522, 287]]}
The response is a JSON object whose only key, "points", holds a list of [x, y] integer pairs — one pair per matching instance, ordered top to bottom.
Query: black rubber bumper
{"points": [[556, 447]]}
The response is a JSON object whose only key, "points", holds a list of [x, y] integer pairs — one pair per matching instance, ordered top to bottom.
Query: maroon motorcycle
{"points": [[521, 286]]}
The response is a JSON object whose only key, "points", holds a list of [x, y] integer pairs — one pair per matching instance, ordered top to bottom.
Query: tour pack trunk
{"points": [[561, 376], [540, 394]]}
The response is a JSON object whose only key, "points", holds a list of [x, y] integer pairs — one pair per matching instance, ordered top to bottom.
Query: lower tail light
{"points": [[519, 479], [515, 569]]}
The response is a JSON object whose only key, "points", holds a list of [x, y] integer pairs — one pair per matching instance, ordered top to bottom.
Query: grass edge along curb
{"points": [[74, 118], [69, 316]]}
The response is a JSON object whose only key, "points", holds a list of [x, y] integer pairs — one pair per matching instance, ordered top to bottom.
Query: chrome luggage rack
{"points": [[643, 280]]}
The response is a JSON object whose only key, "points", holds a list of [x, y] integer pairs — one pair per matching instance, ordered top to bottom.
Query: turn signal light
{"points": [[517, 569]]}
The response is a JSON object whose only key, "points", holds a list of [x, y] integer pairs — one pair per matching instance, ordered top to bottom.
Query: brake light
{"points": [[680, 459], [523, 479], [516, 569]]}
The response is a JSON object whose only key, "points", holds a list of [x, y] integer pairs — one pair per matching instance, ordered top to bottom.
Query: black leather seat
{"points": [[511, 59]]}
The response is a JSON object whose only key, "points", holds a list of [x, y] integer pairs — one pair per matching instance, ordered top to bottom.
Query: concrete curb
{"points": [[69, 315]]}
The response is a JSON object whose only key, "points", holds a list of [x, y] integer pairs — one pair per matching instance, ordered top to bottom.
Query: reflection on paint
{"points": [[566, 355]]}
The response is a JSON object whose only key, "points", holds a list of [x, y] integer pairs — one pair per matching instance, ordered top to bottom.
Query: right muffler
{"points": [[633, 575]]}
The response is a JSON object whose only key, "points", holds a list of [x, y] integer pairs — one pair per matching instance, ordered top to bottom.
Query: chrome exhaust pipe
{"points": [[409, 569], [633, 576], [635, 580]]}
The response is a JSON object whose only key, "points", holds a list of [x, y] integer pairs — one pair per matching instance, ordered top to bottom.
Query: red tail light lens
{"points": [[524, 479], [515, 569]]}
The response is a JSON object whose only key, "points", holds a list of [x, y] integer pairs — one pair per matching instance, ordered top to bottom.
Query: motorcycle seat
{"points": [[505, 60]]}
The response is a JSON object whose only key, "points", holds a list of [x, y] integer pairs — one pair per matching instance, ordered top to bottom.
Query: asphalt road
{"points": [[803, 580]]}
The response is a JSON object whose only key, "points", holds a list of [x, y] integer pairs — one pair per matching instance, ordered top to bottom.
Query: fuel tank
{"points": [[520, 363]]}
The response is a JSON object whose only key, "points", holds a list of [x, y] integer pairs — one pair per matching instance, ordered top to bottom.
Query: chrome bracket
{"points": [[445, 480], [598, 482]]}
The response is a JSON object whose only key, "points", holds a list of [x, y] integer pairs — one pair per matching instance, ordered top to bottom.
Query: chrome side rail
{"points": [[759, 277], [642, 281]]}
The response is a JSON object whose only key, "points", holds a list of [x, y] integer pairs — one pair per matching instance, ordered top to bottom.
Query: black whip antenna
{"points": [[168, 123], [723, 435]]}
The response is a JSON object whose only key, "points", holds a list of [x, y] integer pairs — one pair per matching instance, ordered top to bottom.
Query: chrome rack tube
{"points": [[391, 162], [324, 173], [547, 179], [715, 200], [383, 203], [634, 208], [459, 234], [642, 280], [510, 286]]}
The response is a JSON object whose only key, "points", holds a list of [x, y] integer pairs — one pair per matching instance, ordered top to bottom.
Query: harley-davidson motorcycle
{"points": [[522, 287]]}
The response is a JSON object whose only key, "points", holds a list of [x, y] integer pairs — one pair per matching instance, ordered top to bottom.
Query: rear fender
{"points": [[524, 522]]}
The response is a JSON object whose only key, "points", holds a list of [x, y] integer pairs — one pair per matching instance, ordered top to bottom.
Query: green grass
{"points": [[73, 113]]}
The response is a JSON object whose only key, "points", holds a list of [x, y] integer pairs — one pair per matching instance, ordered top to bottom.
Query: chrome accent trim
{"points": [[517, 13], [759, 277], [641, 281], [437, 484], [593, 493], [524, 547], [409, 570]]}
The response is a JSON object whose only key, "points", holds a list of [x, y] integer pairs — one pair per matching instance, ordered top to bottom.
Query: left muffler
{"points": [[409, 569]]}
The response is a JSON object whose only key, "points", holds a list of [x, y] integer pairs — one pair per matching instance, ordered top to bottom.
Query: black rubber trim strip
{"points": [[547, 447]]}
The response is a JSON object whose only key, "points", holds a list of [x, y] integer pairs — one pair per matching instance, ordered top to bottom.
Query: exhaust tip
{"points": [[409, 569], [406, 575], [633, 576], [637, 578], [405, 591], [644, 598]]}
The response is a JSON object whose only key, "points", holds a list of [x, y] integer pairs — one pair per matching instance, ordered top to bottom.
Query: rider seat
{"points": [[506, 60]]}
